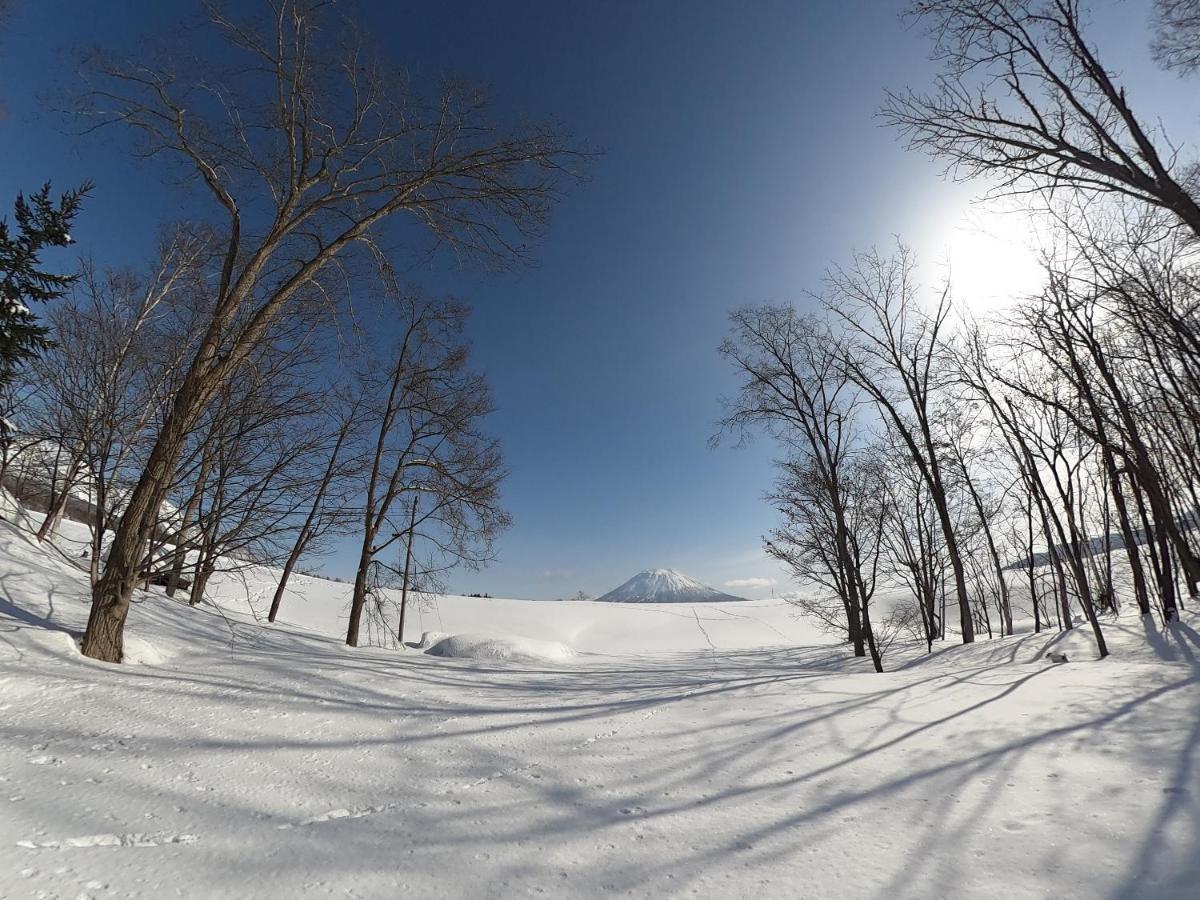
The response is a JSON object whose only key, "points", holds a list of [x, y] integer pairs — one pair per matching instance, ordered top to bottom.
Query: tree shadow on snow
{"points": [[770, 765]]}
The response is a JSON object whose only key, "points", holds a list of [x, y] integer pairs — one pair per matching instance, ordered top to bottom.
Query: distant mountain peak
{"points": [[665, 586]]}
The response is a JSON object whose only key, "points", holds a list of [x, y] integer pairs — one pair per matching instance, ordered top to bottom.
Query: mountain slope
{"points": [[665, 586]]}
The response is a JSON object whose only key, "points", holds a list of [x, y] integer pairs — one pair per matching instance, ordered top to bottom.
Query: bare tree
{"points": [[1177, 34], [1025, 99], [308, 147], [1115, 333], [895, 356], [793, 385], [94, 392], [965, 428], [255, 448], [433, 475], [330, 491], [807, 543], [914, 553]]}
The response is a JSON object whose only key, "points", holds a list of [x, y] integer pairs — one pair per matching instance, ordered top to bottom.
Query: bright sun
{"points": [[991, 257]]}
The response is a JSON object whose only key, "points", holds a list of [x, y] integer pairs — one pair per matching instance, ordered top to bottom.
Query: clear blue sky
{"points": [[741, 159]]}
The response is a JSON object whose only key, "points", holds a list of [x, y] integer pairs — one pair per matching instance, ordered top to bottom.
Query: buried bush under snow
{"points": [[486, 646]]}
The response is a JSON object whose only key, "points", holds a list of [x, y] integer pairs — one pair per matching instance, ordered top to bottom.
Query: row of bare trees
{"points": [[319, 162], [266, 384], [308, 442], [1049, 454], [944, 457]]}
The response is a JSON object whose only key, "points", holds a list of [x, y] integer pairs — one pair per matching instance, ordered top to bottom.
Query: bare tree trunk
{"points": [[5, 454], [938, 493], [58, 500], [186, 522], [99, 526], [306, 530], [408, 555], [1160, 556], [94, 562], [288, 567], [204, 571], [1138, 574], [1033, 591], [358, 599], [1063, 605], [854, 606], [1005, 607], [1089, 609], [982, 615], [104, 637], [876, 657]]}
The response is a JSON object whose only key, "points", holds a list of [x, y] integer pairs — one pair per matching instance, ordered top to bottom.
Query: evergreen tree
{"points": [[39, 223]]}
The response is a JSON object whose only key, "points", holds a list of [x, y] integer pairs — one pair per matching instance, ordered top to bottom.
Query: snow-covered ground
{"points": [[715, 751]]}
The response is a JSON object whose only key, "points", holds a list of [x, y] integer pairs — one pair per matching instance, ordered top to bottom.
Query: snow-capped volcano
{"points": [[665, 586]]}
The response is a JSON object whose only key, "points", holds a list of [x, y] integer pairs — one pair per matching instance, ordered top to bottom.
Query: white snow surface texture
{"points": [[665, 586], [487, 646], [715, 750]]}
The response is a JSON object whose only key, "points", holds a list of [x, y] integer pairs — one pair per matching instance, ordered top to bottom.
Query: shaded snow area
{"points": [[704, 752]]}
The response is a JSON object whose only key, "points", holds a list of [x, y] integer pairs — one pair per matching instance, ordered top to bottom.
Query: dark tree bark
{"points": [[408, 561]]}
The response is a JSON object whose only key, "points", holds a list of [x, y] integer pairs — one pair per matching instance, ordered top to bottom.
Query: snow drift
{"points": [[486, 646]]}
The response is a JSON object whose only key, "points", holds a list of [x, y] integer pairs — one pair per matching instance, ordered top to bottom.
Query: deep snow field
{"points": [[720, 750]]}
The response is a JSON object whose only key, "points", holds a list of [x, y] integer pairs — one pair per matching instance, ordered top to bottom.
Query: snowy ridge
{"points": [[665, 586]]}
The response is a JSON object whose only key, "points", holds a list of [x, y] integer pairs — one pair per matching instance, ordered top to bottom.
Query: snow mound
{"points": [[665, 586], [429, 638], [488, 646], [140, 652]]}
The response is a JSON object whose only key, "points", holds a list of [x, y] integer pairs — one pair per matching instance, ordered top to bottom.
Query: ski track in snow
{"points": [[764, 623], [711, 646]]}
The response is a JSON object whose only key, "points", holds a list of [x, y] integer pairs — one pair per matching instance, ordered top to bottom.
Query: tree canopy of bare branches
{"points": [[1177, 34], [1025, 99], [311, 152], [432, 476]]}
